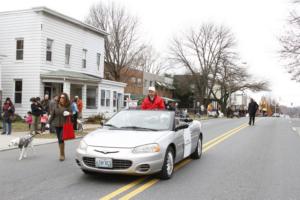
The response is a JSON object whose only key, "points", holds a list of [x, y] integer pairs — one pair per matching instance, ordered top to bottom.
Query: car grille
{"points": [[117, 164]]}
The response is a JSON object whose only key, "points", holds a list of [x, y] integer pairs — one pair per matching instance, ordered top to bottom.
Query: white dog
{"points": [[23, 143]]}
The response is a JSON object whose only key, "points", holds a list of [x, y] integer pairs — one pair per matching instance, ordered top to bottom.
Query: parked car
{"points": [[140, 142]]}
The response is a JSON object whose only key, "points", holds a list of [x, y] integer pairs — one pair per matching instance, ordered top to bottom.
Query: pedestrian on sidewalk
{"points": [[45, 103], [52, 105], [79, 106], [252, 108], [37, 111], [74, 114], [8, 116], [58, 118], [28, 119], [44, 120]]}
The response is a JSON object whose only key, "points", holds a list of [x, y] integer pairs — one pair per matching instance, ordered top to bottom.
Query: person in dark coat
{"points": [[46, 104], [52, 105], [252, 108], [36, 111], [8, 114], [58, 117]]}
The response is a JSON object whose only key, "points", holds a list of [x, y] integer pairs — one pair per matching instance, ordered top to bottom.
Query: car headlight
{"points": [[83, 145], [148, 148]]}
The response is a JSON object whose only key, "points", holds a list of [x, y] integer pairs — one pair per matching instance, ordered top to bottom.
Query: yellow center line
{"points": [[221, 136], [207, 145], [123, 189], [140, 189]]}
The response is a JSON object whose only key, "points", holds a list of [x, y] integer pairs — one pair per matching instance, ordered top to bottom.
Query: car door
{"points": [[195, 131], [187, 136], [179, 142]]}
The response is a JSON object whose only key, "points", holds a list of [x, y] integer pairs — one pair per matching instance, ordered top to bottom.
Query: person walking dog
{"points": [[252, 108], [58, 118]]}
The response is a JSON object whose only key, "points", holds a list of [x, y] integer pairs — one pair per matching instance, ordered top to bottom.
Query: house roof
{"points": [[70, 19], [70, 75]]}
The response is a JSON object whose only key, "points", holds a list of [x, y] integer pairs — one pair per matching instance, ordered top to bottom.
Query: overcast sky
{"points": [[256, 24]]}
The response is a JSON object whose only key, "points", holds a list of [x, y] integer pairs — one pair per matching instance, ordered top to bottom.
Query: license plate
{"points": [[103, 162]]}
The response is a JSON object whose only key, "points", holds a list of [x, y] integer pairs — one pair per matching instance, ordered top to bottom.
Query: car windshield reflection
{"points": [[141, 120]]}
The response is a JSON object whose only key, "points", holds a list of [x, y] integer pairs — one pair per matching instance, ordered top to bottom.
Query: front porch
{"points": [[98, 95]]}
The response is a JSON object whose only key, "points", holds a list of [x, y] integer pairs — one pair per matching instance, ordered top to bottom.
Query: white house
{"points": [[48, 52], [1, 57]]}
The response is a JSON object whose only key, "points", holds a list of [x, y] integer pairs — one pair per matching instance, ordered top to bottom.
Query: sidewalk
{"points": [[5, 139]]}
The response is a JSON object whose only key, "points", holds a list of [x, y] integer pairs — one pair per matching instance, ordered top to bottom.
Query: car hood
{"points": [[122, 138]]}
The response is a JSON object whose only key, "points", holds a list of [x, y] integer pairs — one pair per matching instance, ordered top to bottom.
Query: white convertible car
{"points": [[140, 142]]}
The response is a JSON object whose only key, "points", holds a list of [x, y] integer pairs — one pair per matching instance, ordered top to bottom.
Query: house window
{"points": [[19, 49], [49, 50], [84, 51], [67, 54], [98, 60], [133, 80], [139, 81], [145, 83], [18, 91], [91, 97], [102, 97], [115, 99], [107, 100]]}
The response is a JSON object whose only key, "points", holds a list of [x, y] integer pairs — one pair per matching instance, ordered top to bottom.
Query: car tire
{"points": [[198, 151], [168, 166]]}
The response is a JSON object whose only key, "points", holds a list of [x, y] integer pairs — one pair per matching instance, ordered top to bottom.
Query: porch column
{"points": [[67, 88], [84, 97], [99, 99]]}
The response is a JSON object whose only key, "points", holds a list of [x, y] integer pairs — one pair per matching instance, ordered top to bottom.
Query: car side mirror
{"points": [[181, 126]]}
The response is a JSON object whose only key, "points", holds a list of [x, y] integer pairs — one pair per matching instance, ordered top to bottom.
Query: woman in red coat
{"points": [[153, 101]]}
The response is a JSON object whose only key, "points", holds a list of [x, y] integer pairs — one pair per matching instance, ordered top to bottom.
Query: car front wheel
{"points": [[198, 151], [168, 166]]}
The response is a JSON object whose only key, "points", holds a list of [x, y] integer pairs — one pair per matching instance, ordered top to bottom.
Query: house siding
{"points": [[26, 25], [62, 33]]}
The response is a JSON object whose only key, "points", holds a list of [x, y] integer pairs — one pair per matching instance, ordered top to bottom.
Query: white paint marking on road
{"points": [[294, 129]]}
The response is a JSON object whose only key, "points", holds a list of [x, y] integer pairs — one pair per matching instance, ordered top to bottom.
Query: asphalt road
{"points": [[257, 162]]}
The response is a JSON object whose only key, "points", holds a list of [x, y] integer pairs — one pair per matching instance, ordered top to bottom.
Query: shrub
{"points": [[95, 119]]}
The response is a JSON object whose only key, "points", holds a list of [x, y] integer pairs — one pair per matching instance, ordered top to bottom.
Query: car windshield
{"points": [[141, 120]]}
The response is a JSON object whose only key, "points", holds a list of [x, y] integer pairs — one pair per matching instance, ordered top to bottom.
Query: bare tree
{"points": [[290, 42], [122, 46], [201, 51], [209, 55], [150, 61], [232, 78]]}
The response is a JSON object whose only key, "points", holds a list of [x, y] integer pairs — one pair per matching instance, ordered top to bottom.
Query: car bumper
{"points": [[124, 161]]}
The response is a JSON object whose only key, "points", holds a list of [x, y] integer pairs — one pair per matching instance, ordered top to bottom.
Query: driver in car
{"points": [[153, 101]]}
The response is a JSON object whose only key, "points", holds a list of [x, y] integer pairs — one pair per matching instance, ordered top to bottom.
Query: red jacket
{"points": [[157, 103], [79, 105]]}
